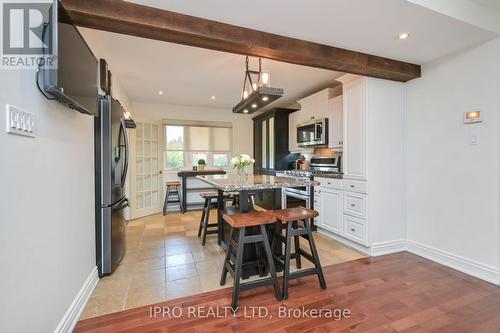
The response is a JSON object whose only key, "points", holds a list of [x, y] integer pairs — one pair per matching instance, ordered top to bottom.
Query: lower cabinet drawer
{"points": [[352, 185], [355, 204], [355, 229]]}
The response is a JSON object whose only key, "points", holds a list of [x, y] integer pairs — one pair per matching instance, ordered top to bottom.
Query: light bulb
{"points": [[265, 78]]}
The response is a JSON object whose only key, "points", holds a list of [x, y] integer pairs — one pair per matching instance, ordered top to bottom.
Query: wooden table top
{"points": [[207, 171]]}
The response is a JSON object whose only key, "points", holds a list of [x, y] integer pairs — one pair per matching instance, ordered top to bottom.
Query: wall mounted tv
{"points": [[74, 80]]}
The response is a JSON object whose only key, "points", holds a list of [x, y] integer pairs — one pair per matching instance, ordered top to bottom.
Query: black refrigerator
{"points": [[111, 164]]}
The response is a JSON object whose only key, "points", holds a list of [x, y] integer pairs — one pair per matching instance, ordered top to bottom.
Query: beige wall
{"points": [[47, 245]]}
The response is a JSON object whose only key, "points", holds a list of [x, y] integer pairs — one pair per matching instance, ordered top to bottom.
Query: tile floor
{"points": [[165, 260]]}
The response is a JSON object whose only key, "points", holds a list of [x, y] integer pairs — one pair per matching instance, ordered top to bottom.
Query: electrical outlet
{"points": [[19, 121]]}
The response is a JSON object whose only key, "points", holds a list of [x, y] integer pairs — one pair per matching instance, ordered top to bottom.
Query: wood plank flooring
{"points": [[394, 293]]}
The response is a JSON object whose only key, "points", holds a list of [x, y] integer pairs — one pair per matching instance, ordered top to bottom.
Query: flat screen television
{"points": [[74, 80]]}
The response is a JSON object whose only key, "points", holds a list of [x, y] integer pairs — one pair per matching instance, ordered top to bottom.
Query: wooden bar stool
{"points": [[173, 189], [236, 199], [205, 215], [240, 222], [297, 225]]}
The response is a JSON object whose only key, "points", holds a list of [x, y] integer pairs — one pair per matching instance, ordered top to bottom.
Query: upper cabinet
{"points": [[317, 106], [335, 124], [354, 152]]}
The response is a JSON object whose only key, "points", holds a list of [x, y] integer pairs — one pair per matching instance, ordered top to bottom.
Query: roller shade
{"points": [[198, 138]]}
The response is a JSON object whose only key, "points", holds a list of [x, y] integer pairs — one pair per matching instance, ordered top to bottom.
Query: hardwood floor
{"points": [[394, 293]]}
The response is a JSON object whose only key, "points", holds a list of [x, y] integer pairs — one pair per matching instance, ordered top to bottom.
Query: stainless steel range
{"points": [[320, 166]]}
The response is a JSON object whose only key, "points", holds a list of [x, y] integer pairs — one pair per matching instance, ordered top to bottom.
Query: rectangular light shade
{"points": [[261, 97]]}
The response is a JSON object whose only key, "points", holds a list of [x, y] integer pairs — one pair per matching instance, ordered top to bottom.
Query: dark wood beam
{"points": [[153, 23]]}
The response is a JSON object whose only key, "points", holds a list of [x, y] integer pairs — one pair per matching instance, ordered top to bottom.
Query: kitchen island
{"points": [[244, 185]]}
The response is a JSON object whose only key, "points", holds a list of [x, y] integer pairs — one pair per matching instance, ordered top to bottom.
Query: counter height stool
{"points": [[172, 190], [205, 215], [239, 222], [297, 225]]}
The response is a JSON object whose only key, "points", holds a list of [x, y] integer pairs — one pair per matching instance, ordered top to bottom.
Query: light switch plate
{"points": [[20, 122]]}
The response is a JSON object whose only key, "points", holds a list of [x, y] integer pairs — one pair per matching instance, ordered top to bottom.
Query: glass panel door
{"points": [[146, 188]]}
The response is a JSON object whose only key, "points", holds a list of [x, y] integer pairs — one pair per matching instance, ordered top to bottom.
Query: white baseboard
{"points": [[344, 241], [382, 248], [464, 265], [74, 311]]}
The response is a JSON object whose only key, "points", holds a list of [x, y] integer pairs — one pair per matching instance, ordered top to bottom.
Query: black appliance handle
{"points": [[123, 131], [318, 131], [118, 202], [123, 204]]}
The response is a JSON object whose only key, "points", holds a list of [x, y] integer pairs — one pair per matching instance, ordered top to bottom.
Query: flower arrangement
{"points": [[241, 162]]}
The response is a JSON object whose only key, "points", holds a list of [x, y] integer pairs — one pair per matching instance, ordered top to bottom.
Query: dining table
{"points": [[244, 186]]}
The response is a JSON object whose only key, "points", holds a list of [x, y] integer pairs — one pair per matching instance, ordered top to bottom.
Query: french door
{"points": [[146, 170]]}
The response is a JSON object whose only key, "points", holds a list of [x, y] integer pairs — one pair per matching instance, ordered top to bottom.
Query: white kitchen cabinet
{"points": [[293, 120], [335, 123], [354, 152], [373, 163], [331, 210]]}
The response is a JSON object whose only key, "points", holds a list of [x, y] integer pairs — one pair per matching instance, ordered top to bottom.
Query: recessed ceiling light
{"points": [[403, 35], [160, 92], [213, 97], [265, 98], [254, 105], [245, 111]]}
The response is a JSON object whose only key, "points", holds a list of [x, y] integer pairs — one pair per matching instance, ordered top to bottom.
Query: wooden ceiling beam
{"points": [[153, 23]]}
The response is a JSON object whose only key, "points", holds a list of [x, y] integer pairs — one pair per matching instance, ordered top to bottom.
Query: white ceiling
{"points": [[493, 4], [363, 25], [191, 76]]}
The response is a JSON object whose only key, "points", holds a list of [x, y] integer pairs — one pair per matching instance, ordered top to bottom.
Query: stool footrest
{"points": [[253, 239], [306, 255], [304, 272], [255, 284]]}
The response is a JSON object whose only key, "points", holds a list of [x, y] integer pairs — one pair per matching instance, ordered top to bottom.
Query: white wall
{"points": [[242, 124], [453, 188], [47, 246]]}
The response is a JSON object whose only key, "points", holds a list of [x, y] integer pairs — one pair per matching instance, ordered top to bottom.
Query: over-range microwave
{"points": [[313, 132]]}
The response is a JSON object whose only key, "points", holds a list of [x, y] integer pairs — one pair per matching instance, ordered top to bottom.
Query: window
{"points": [[188, 142]]}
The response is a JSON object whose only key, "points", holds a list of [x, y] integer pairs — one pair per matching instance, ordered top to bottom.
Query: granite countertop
{"points": [[334, 176], [234, 183]]}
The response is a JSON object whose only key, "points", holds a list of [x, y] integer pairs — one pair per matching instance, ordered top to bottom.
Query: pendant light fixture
{"points": [[257, 91]]}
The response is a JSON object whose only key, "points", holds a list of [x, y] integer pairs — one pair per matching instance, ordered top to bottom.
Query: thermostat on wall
{"points": [[472, 117]]}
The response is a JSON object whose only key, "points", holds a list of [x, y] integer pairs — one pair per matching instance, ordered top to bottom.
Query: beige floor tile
{"points": [[171, 250], [148, 253], [179, 259], [150, 264], [209, 267], [181, 272], [145, 279], [211, 282], [111, 285], [184, 287], [153, 294], [100, 305]]}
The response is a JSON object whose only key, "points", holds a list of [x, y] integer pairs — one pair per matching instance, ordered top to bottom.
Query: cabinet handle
{"points": [[329, 183], [352, 186], [353, 205], [353, 230]]}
